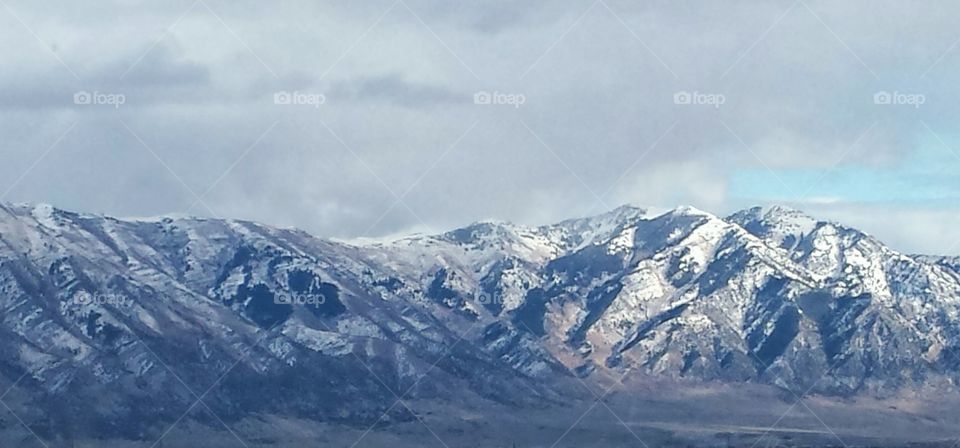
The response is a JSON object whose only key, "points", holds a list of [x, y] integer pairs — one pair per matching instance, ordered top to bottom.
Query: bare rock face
{"points": [[120, 326]]}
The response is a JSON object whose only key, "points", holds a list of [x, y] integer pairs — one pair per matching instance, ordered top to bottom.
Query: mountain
{"points": [[139, 318], [120, 327]]}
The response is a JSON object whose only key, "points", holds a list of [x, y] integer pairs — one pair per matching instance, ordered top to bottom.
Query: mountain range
{"points": [[122, 327]]}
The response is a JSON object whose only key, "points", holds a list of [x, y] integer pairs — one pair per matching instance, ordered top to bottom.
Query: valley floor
{"points": [[648, 415]]}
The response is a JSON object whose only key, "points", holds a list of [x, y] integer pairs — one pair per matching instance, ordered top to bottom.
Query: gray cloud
{"points": [[598, 80], [393, 88]]}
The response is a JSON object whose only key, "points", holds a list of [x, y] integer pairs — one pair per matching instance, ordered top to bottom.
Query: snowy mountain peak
{"points": [[629, 209], [689, 210], [625, 212], [46, 215], [774, 215], [782, 225], [480, 230]]}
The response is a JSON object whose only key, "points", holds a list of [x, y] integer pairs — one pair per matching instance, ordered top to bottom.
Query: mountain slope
{"points": [[115, 313], [106, 321]]}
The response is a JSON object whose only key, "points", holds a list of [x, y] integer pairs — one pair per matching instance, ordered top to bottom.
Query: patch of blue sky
{"points": [[929, 176]]}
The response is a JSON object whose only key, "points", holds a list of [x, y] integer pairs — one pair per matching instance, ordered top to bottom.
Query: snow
{"points": [[45, 215], [708, 270], [325, 342]]}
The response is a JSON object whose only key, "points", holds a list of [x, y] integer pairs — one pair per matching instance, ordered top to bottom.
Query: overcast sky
{"points": [[369, 118]]}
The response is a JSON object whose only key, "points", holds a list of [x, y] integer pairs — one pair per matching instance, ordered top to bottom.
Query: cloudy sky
{"points": [[378, 117]]}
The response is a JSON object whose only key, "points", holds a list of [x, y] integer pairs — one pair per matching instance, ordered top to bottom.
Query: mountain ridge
{"points": [[99, 309]]}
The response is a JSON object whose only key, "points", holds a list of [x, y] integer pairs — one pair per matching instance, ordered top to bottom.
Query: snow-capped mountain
{"points": [[140, 317]]}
